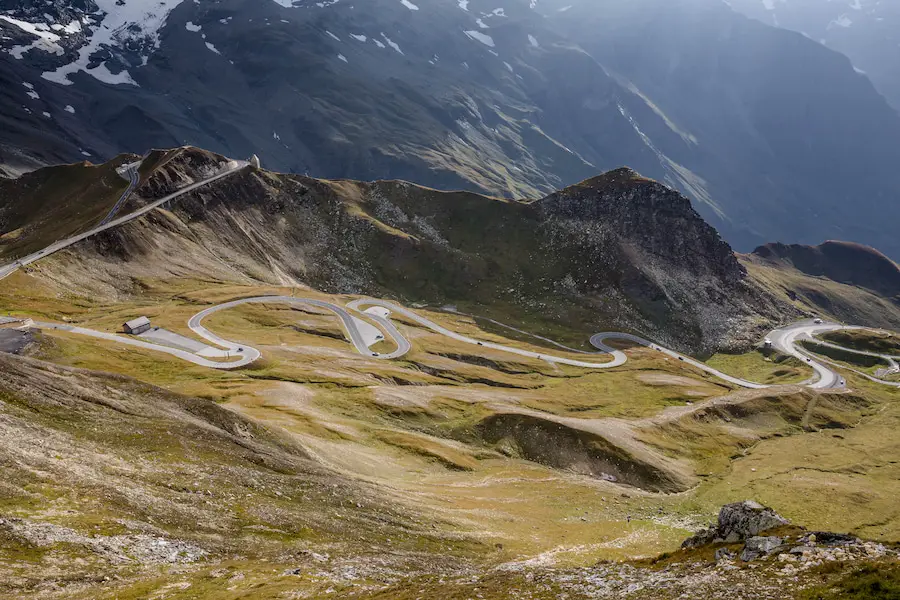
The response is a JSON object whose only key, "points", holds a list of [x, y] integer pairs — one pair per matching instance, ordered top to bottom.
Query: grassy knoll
{"points": [[53, 203], [879, 342], [755, 366]]}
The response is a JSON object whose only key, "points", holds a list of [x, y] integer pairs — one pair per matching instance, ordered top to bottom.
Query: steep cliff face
{"points": [[642, 239]]}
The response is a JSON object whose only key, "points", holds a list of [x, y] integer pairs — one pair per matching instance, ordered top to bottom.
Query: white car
{"points": [[818, 321]]}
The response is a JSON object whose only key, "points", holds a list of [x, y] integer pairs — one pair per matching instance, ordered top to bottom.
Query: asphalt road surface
{"points": [[132, 172], [236, 355]]}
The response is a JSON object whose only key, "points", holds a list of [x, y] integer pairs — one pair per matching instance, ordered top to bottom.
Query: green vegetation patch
{"points": [[879, 342], [775, 369], [871, 582]]}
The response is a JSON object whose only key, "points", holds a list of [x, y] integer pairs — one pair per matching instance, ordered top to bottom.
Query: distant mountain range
{"points": [[867, 31], [772, 135]]}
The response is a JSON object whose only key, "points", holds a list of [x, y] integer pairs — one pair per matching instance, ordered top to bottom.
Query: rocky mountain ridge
{"points": [[510, 99], [615, 251], [839, 261]]}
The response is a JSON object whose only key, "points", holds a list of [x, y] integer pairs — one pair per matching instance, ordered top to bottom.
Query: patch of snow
{"points": [[464, 4], [409, 5], [842, 21], [118, 24], [191, 27], [332, 35], [360, 38], [46, 39], [484, 39], [533, 41], [378, 43], [391, 43], [213, 48], [343, 58], [69, 109]]}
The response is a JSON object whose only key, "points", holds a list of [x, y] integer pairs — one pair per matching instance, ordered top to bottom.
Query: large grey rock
{"points": [[737, 522], [759, 546]]}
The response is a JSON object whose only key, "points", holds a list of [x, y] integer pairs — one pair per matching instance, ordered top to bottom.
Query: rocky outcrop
{"points": [[625, 231], [737, 522], [796, 549]]}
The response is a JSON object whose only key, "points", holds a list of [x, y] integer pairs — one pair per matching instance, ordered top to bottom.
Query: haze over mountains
{"points": [[867, 31], [772, 135]]}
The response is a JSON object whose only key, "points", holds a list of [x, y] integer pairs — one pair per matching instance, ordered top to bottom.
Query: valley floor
{"points": [[459, 470]]}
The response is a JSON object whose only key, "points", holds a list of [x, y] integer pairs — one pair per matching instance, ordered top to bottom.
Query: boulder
{"points": [[737, 522], [760, 546]]}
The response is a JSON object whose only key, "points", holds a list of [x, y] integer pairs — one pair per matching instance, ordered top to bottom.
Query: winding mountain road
{"points": [[355, 315], [364, 327]]}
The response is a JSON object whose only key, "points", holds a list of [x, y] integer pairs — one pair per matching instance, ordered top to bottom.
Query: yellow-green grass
{"points": [[879, 342], [754, 366], [392, 444], [841, 474]]}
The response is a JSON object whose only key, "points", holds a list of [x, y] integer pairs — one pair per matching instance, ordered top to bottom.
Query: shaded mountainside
{"points": [[864, 30], [726, 102], [776, 137], [844, 262]]}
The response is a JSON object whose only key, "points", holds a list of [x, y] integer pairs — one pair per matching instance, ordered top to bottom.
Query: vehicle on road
{"points": [[818, 321]]}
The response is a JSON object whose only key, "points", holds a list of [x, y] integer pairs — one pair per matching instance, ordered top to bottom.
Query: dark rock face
{"points": [[509, 98], [648, 215], [625, 231], [845, 262], [738, 522], [760, 546]]}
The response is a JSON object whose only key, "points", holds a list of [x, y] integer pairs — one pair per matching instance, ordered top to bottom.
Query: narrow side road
{"points": [[6, 270]]}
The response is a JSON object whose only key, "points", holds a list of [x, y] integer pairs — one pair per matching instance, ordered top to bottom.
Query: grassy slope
{"points": [[53, 203], [817, 295], [880, 342], [754, 366], [389, 424]]}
